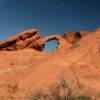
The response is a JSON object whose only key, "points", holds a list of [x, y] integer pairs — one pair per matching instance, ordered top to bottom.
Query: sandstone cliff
{"points": [[26, 69]]}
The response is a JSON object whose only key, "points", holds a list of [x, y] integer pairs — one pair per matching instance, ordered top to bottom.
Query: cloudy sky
{"points": [[49, 16]]}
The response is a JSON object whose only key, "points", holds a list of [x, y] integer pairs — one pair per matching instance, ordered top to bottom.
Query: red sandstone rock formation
{"points": [[72, 37], [30, 39], [20, 41], [62, 43], [25, 72]]}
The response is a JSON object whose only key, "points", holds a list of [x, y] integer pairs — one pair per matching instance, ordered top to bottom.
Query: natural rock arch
{"points": [[31, 39], [61, 42], [50, 46]]}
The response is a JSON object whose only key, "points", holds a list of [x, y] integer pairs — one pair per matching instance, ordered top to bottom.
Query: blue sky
{"points": [[49, 16]]}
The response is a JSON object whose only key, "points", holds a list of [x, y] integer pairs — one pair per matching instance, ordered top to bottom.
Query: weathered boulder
{"points": [[20, 41]]}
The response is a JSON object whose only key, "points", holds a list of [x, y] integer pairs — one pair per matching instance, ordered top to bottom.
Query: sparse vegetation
{"points": [[12, 89], [61, 92]]}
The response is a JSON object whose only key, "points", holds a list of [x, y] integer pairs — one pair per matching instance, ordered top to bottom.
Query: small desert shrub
{"points": [[12, 88], [56, 94], [38, 96]]}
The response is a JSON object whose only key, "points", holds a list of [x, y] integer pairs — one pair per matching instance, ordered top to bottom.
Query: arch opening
{"points": [[50, 46]]}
